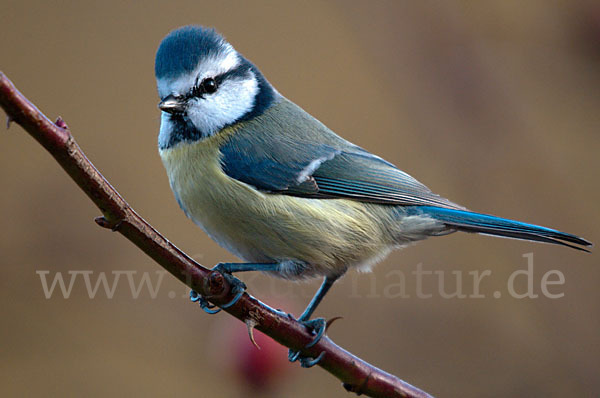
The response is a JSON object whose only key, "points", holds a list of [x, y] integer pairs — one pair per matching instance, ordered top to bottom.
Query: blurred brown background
{"points": [[493, 104]]}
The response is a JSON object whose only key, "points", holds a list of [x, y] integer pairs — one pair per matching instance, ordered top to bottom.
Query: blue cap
{"points": [[183, 48]]}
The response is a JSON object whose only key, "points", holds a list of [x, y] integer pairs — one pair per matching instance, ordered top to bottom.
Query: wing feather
{"points": [[316, 164]]}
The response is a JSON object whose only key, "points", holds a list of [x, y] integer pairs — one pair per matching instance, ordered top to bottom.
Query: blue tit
{"points": [[280, 190]]}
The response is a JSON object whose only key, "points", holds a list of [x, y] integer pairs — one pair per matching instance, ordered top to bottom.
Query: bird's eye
{"points": [[209, 85]]}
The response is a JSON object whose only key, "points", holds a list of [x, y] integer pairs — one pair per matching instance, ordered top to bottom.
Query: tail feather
{"points": [[468, 221]]}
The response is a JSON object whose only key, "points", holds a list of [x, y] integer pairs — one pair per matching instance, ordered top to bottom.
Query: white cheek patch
{"points": [[232, 100]]}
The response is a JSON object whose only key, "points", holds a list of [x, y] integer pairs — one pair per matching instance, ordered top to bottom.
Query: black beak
{"points": [[173, 105]]}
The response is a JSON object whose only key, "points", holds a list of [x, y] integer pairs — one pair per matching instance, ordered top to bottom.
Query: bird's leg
{"points": [[238, 287], [317, 325]]}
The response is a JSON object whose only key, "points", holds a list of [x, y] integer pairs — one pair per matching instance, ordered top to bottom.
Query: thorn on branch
{"points": [[61, 123], [102, 221], [330, 322], [250, 324], [350, 388], [358, 388]]}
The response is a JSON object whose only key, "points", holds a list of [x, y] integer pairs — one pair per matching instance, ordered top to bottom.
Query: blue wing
{"points": [[286, 159], [319, 164]]}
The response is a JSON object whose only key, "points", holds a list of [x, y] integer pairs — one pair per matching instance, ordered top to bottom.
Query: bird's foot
{"points": [[237, 287], [207, 307], [317, 327]]}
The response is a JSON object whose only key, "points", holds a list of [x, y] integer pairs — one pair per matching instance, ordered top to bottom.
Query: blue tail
{"points": [[467, 221]]}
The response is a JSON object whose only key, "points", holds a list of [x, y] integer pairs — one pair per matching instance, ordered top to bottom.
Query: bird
{"points": [[280, 190]]}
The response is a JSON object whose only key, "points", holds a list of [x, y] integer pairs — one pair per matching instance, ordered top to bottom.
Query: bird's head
{"points": [[205, 85]]}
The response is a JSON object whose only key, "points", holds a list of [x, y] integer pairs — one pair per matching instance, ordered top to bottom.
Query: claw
{"points": [[8, 121], [239, 287], [194, 296], [204, 304], [318, 326], [293, 355], [305, 362], [310, 362]]}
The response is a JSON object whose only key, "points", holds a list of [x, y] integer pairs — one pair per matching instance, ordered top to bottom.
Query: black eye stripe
{"points": [[241, 72]]}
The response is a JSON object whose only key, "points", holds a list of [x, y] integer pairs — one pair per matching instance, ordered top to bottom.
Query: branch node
{"points": [[61, 123], [104, 223], [214, 284], [351, 388], [356, 388]]}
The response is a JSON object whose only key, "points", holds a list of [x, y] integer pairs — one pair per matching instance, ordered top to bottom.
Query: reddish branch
{"points": [[356, 375]]}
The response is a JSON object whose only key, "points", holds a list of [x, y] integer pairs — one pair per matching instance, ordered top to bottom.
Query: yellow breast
{"points": [[262, 227]]}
